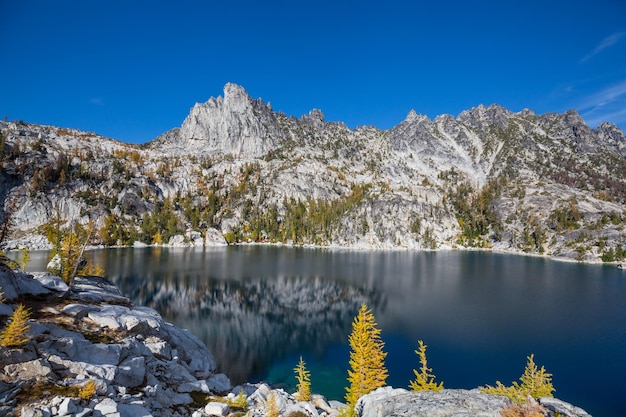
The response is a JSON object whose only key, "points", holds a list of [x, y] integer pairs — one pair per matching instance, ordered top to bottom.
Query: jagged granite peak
{"points": [[481, 116], [230, 124], [613, 137]]}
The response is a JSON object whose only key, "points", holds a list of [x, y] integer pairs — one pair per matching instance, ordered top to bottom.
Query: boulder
{"points": [[214, 237], [51, 282], [8, 283], [97, 290], [159, 348], [98, 353], [38, 368], [131, 372], [219, 383], [194, 386], [319, 401], [446, 403], [67, 407], [106, 407], [305, 408], [561, 408], [216, 409], [133, 410]]}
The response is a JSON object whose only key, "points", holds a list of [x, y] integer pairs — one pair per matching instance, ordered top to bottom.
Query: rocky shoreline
{"points": [[142, 366]]}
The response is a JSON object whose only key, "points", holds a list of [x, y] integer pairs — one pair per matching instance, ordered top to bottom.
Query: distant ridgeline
{"points": [[490, 178]]}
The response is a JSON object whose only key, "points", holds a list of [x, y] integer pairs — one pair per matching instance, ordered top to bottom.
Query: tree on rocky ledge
{"points": [[367, 359], [424, 380], [304, 381], [535, 382]]}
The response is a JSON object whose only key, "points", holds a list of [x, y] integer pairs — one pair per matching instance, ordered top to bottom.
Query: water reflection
{"points": [[248, 307]]}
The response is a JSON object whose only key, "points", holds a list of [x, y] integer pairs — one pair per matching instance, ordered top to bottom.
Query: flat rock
{"points": [[51, 282], [96, 289], [38, 368], [194, 386], [446, 403], [105, 407], [216, 409]]}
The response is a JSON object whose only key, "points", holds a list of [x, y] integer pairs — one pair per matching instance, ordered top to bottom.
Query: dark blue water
{"points": [[259, 308]]}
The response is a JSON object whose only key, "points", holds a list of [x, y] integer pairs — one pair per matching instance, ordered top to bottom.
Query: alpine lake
{"points": [[259, 308]]}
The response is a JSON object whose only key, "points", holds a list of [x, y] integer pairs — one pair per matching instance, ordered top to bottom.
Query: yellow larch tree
{"points": [[14, 333], [367, 358], [424, 380], [304, 381], [535, 382]]}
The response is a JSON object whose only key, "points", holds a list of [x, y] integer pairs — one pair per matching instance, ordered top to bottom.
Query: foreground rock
{"points": [[141, 366], [448, 403]]}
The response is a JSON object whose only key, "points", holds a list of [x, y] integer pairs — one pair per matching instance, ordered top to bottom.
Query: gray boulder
{"points": [[131, 372], [446, 403], [561, 408]]}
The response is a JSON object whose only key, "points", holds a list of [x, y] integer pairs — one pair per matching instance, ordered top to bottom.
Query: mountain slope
{"points": [[488, 178]]}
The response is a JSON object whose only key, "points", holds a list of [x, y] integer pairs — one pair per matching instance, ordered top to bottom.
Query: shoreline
{"points": [[349, 248]]}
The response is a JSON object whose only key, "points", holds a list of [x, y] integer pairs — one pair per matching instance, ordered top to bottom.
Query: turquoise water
{"points": [[259, 308]]}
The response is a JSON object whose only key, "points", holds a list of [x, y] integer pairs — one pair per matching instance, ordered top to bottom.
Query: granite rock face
{"points": [[233, 124]]}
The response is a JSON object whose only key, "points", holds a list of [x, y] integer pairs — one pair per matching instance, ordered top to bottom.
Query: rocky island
{"points": [[90, 335]]}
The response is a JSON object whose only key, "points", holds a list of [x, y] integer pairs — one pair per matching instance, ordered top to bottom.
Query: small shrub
{"points": [[14, 333], [424, 380], [87, 391], [240, 401], [523, 410]]}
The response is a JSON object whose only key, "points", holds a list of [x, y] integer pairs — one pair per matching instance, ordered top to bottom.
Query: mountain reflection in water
{"points": [[249, 312]]}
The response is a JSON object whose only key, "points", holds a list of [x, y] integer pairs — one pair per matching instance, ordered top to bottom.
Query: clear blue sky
{"points": [[131, 70]]}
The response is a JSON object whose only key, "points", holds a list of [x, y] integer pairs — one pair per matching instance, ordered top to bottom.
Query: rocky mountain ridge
{"points": [[489, 178]]}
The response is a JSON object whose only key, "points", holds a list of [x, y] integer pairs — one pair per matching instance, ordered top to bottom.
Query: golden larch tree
{"points": [[14, 333], [367, 358], [424, 380], [304, 381]]}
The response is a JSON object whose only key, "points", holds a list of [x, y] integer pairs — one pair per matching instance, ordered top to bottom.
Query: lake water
{"points": [[259, 308]]}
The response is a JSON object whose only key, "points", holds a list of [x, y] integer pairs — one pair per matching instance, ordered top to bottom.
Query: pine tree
{"points": [[14, 333], [367, 359], [424, 380], [304, 381]]}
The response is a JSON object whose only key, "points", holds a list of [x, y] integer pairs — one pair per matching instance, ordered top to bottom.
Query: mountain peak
{"points": [[233, 124]]}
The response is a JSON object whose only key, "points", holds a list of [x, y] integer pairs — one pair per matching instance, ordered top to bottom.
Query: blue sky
{"points": [[131, 70]]}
